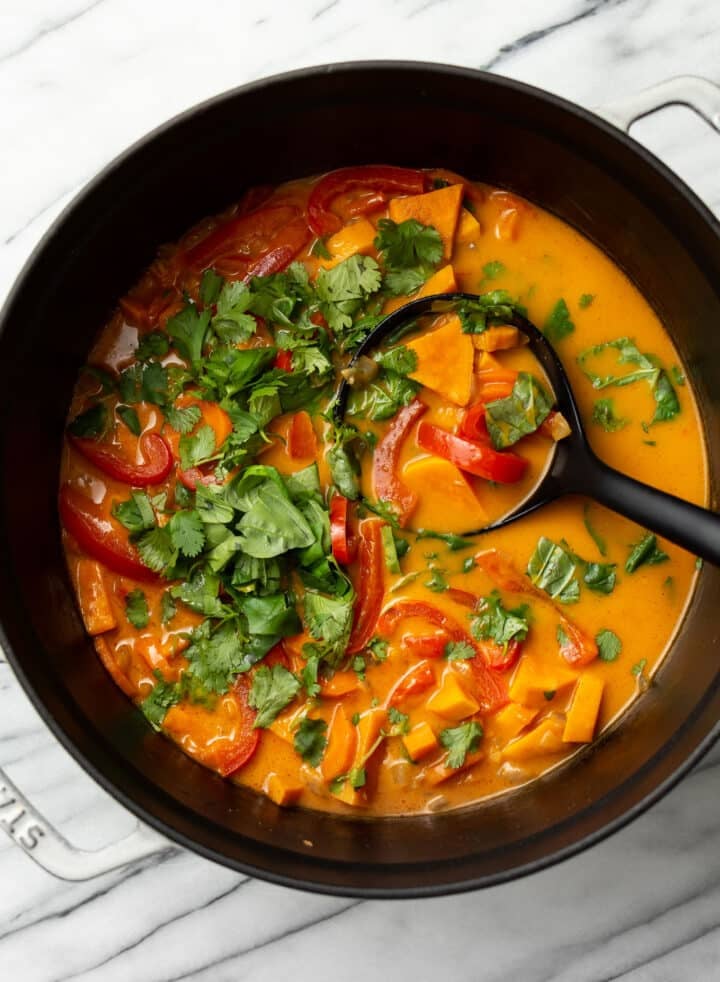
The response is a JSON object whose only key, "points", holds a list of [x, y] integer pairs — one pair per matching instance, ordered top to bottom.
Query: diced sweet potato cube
{"points": [[440, 209], [468, 228], [355, 238], [441, 282], [499, 338], [445, 361], [444, 496], [93, 597], [341, 684], [533, 686], [451, 700], [583, 713], [510, 720], [369, 726], [545, 738], [342, 739], [420, 741], [439, 773], [283, 791]]}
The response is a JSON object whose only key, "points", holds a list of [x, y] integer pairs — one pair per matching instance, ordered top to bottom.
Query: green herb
{"points": [[408, 243], [320, 250], [493, 269], [210, 286], [344, 289], [585, 300], [494, 307], [558, 324], [188, 329], [677, 375], [667, 404], [520, 413], [604, 415], [130, 418], [183, 418], [90, 423], [650, 443], [197, 448], [136, 514], [186, 533], [594, 535], [388, 542], [454, 542], [156, 549], [645, 552], [698, 563], [469, 564], [553, 569], [600, 577], [437, 582], [168, 607], [136, 609], [495, 623], [609, 645], [378, 647], [459, 651], [358, 666], [639, 667], [309, 674], [271, 691], [549, 694], [162, 696], [400, 722], [310, 740], [460, 741], [357, 778]]}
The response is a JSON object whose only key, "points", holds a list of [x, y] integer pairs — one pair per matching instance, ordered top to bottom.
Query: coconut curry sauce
{"points": [[294, 602]]}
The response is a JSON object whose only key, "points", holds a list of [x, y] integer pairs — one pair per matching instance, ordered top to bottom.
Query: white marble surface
{"points": [[81, 79]]}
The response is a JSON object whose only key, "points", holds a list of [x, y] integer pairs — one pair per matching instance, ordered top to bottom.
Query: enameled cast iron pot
{"points": [[566, 159]]}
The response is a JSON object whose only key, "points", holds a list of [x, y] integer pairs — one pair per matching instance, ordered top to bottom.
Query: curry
{"points": [[307, 607]]}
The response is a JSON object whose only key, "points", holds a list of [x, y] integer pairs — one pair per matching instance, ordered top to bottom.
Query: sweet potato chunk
{"points": [[440, 209], [468, 228], [356, 238], [441, 282], [499, 338], [445, 361], [445, 498], [94, 598], [532, 686], [583, 713], [544, 739], [341, 746], [282, 790]]}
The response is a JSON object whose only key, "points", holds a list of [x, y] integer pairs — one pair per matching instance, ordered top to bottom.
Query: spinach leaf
{"points": [[558, 324], [519, 414], [604, 415], [90, 423], [645, 552], [553, 569], [497, 624], [271, 691], [310, 740]]}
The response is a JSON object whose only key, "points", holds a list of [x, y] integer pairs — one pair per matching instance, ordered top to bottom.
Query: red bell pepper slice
{"points": [[388, 180], [253, 236], [283, 360], [473, 425], [301, 438], [155, 449], [475, 458], [194, 476], [387, 484], [98, 537], [344, 543], [371, 586], [463, 597], [403, 609], [425, 645], [577, 648], [497, 656], [419, 679], [490, 689], [245, 738]]}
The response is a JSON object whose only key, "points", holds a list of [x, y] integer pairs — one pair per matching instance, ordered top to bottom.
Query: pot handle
{"points": [[699, 94], [51, 850]]}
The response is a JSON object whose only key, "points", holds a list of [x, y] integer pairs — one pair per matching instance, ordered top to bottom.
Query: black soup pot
{"points": [[567, 160]]}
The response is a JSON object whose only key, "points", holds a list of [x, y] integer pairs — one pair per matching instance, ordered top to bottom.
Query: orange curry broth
{"points": [[542, 259]]}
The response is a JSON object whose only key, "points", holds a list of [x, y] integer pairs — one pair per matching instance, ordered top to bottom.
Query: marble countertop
{"points": [[79, 81]]}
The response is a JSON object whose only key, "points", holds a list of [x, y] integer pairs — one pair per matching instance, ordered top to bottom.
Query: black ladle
{"points": [[574, 467]]}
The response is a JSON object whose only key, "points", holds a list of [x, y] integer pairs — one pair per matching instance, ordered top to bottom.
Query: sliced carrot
{"points": [[341, 745]]}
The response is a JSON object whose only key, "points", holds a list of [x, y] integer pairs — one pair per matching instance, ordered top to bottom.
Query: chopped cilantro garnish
{"points": [[585, 300], [558, 324], [604, 415], [130, 418], [90, 423], [136, 609], [609, 645], [459, 650], [271, 691], [310, 740], [461, 741]]}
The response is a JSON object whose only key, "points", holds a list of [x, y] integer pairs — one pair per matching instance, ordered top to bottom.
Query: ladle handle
{"points": [[695, 529]]}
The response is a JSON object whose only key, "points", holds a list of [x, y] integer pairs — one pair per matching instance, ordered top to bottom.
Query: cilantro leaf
{"points": [[408, 244], [493, 269], [405, 282], [210, 286], [343, 290], [585, 300], [493, 307], [231, 322], [558, 324], [188, 329], [152, 345], [627, 354], [398, 360], [667, 404], [519, 414], [604, 415], [130, 418], [183, 418], [90, 423], [198, 448], [136, 514], [186, 533], [594, 535], [453, 542], [156, 549], [646, 551], [553, 569], [600, 577], [437, 582], [168, 607], [136, 609], [329, 619], [497, 624], [609, 644], [459, 650], [215, 657], [271, 691], [162, 696], [400, 721], [310, 740], [460, 741]]}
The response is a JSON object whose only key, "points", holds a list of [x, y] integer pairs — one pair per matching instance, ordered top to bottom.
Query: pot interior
{"points": [[486, 128]]}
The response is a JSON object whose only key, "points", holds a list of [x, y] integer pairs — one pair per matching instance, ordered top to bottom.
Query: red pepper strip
{"points": [[389, 180], [254, 198], [365, 205], [251, 235], [274, 261], [283, 360], [493, 391], [473, 425], [301, 438], [155, 449], [475, 458], [194, 476], [388, 486], [98, 537], [344, 544], [371, 584], [463, 597], [402, 609], [424, 645], [578, 648], [498, 656], [417, 680], [491, 689], [245, 737]]}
